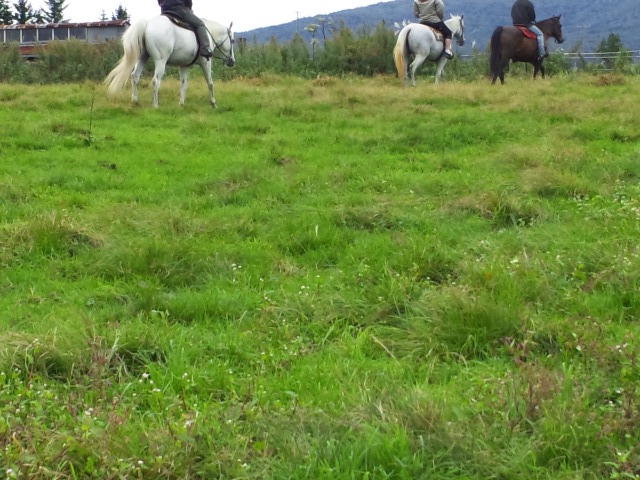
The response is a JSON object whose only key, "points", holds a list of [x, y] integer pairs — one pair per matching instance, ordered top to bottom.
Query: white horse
{"points": [[421, 41], [165, 43]]}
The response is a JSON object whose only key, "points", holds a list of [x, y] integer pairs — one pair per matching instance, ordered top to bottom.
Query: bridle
{"points": [[460, 36], [228, 59]]}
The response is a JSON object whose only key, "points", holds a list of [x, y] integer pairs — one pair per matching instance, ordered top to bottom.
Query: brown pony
{"points": [[509, 44]]}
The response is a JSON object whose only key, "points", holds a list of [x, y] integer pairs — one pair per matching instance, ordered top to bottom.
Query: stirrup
{"points": [[205, 52], [448, 54]]}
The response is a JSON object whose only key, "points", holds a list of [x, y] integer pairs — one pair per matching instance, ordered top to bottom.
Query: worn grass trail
{"points": [[337, 278]]}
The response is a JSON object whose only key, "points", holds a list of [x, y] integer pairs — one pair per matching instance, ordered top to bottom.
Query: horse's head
{"points": [[458, 28], [555, 29], [230, 41], [224, 42]]}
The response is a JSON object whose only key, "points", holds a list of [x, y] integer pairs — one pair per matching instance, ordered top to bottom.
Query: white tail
{"points": [[133, 44], [400, 53]]}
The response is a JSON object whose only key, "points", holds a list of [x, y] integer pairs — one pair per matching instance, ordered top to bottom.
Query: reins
{"points": [[218, 45]]}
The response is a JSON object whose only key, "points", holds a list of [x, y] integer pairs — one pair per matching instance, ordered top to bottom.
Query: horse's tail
{"points": [[133, 45], [496, 51], [401, 52]]}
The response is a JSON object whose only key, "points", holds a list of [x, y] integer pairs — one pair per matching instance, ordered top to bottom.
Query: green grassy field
{"points": [[326, 279]]}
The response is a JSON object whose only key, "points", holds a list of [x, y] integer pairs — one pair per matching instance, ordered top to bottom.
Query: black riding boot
{"points": [[203, 40]]}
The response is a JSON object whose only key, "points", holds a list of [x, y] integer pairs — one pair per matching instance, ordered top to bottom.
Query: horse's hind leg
{"points": [[417, 61], [406, 70], [501, 72], [135, 77], [157, 80], [183, 84]]}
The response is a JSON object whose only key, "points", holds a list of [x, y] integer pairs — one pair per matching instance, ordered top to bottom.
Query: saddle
{"points": [[178, 22], [525, 31], [437, 33]]}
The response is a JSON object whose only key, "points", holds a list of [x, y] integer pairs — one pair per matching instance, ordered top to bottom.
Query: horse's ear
{"points": [[230, 25]]}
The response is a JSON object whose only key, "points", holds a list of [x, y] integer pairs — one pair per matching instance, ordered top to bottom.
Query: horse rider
{"points": [[182, 10], [431, 13], [523, 14]]}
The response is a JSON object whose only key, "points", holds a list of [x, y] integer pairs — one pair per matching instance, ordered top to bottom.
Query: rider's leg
{"points": [[201, 32], [540, 39], [447, 41], [447, 48]]}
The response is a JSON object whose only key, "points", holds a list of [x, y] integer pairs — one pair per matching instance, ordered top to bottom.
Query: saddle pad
{"points": [[525, 31]]}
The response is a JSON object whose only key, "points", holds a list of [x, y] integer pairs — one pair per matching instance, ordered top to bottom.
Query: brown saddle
{"points": [[436, 32]]}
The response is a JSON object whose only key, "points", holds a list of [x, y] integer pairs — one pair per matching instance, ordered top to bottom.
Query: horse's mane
{"points": [[552, 18], [208, 21]]}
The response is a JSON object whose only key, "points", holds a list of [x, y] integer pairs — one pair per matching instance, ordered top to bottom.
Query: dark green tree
{"points": [[53, 11], [23, 12], [120, 13], [6, 15], [341, 52], [618, 55]]}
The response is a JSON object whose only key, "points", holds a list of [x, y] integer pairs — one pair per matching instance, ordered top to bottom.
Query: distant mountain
{"points": [[582, 20]]}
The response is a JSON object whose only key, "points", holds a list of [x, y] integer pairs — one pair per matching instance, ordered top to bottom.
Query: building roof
{"points": [[26, 26]]}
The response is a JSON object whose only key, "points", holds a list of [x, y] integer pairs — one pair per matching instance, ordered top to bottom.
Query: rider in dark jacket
{"points": [[182, 9], [523, 13]]}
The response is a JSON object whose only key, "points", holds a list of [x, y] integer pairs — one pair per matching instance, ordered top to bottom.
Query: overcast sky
{"points": [[246, 15]]}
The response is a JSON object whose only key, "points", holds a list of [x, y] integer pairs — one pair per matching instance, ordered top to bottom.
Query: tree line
{"points": [[22, 12], [332, 48], [320, 49]]}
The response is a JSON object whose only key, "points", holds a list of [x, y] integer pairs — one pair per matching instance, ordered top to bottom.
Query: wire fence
{"points": [[599, 56], [602, 61]]}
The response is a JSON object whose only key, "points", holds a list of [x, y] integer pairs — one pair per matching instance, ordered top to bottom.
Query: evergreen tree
{"points": [[54, 10], [24, 12], [120, 13], [6, 15], [39, 16], [619, 56]]}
